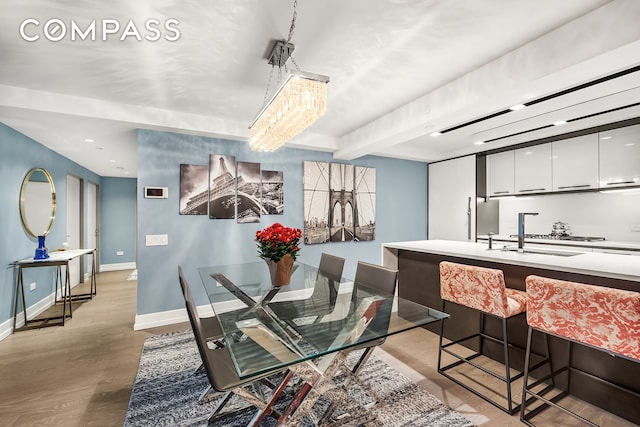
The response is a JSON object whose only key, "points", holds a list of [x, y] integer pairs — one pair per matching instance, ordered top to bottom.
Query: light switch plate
{"points": [[157, 239]]}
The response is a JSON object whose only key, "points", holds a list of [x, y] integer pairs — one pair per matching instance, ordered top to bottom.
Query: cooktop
{"points": [[562, 237]]}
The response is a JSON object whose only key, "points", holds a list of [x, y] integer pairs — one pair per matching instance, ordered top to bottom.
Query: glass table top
{"points": [[267, 328]]}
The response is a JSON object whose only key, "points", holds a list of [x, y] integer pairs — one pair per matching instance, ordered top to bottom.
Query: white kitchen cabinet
{"points": [[620, 157], [575, 163], [532, 167], [500, 174], [452, 199]]}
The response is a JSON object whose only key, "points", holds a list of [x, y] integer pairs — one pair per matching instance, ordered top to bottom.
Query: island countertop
{"points": [[616, 266]]}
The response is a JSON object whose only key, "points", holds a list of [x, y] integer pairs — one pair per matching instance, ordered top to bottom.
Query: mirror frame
{"points": [[23, 189]]}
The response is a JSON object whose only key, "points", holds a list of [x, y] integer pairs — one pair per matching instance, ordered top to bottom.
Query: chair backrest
{"points": [[331, 265], [380, 278], [383, 281], [476, 287], [605, 318], [194, 319]]}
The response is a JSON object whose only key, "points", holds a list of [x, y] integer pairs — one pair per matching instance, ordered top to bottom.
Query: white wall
{"points": [[588, 214]]}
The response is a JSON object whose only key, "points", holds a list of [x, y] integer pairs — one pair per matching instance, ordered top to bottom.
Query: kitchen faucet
{"points": [[521, 229]]}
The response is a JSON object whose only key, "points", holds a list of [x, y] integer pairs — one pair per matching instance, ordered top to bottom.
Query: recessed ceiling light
{"points": [[517, 107], [560, 123], [436, 133], [605, 137], [88, 140], [478, 143], [112, 161], [126, 172]]}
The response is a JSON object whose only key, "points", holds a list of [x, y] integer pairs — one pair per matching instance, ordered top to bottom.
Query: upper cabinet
{"points": [[620, 157], [608, 159], [575, 163], [533, 169], [500, 174]]}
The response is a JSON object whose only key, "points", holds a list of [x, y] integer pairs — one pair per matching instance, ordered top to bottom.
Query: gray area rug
{"points": [[166, 391]]}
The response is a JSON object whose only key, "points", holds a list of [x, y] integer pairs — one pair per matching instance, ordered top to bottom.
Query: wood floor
{"points": [[81, 374]]}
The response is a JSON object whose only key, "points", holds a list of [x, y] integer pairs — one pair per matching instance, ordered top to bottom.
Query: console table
{"points": [[56, 259]]}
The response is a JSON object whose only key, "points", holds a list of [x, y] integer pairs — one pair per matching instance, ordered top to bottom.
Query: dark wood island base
{"points": [[419, 281]]}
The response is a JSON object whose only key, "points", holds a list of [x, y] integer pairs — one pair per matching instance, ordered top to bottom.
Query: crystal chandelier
{"points": [[299, 101]]}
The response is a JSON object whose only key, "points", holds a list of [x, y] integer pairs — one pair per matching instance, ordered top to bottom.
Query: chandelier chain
{"points": [[293, 20], [291, 29], [266, 93]]}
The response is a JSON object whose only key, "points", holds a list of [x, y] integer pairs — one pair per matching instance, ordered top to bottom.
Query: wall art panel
{"points": [[222, 187], [194, 189], [249, 189], [272, 192], [316, 202], [365, 203]]}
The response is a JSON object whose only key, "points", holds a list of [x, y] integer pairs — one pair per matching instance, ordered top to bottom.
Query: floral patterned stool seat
{"points": [[482, 289], [603, 318]]}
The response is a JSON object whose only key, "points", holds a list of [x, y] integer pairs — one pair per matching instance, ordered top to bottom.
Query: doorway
{"points": [[74, 225], [93, 231]]}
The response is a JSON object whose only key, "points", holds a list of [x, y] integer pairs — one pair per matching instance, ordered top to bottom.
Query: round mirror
{"points": [[37, 202]]}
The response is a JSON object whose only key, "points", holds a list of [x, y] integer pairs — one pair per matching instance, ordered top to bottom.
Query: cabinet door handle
{"points": [[621, 182], [562, 187], [531, 189], [500, 192]]}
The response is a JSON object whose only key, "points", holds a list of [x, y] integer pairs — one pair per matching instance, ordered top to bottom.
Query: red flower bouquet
{"points": [[276, 241]]}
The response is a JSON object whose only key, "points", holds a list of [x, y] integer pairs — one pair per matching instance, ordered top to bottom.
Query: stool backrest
{"points": [[476, 287], [605, 318]]}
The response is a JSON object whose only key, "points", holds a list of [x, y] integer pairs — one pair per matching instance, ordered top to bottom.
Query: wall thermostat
{"points": [[156, 192]]}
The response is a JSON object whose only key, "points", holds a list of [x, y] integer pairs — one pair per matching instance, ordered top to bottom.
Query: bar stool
{"points": [[482, 289], [602, 318]]}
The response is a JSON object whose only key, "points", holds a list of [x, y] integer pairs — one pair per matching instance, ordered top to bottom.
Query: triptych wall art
{"points": [[226, 189], [339, 199], [339, 202]]}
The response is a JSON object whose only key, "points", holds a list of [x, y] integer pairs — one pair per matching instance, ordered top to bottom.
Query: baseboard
{"points": [[117, 267], [171, 317], [6, 327]]}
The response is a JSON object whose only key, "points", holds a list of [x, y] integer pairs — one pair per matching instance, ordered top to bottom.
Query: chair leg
{"points": [[440, 340], [363, 360], [527, 360], [507, 364], [507, 378], [204, 396], [219, 405]]}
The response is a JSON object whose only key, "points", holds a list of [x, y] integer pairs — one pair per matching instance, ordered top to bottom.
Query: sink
{"points": [[544, 252]]}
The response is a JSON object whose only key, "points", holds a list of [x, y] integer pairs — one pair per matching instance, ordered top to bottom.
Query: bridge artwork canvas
{"points": [[339, 202]]}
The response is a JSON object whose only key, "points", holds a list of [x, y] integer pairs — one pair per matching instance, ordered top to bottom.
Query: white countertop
{"points": [[600, 244], [625, 267]]}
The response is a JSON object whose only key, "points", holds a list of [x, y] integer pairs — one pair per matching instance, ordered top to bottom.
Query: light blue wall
{"points": [[18, 154], [118, 220], [196, 241]]}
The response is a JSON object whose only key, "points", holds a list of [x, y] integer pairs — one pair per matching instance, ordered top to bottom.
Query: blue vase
{"points": [[41, 250]]}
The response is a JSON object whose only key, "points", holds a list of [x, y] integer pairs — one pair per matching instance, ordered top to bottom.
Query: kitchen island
{"points": [[418, 264]]}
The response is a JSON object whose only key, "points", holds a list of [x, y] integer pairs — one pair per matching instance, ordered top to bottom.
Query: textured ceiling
{"points": [[399, 69]]}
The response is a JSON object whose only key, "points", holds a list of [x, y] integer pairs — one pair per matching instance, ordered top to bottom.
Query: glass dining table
{"points": [[308, 326]]}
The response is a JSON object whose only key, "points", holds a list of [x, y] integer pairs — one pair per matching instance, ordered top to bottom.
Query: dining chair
{"points": [[383, 281], [325, 292], [211, 328], [220, 369]]}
